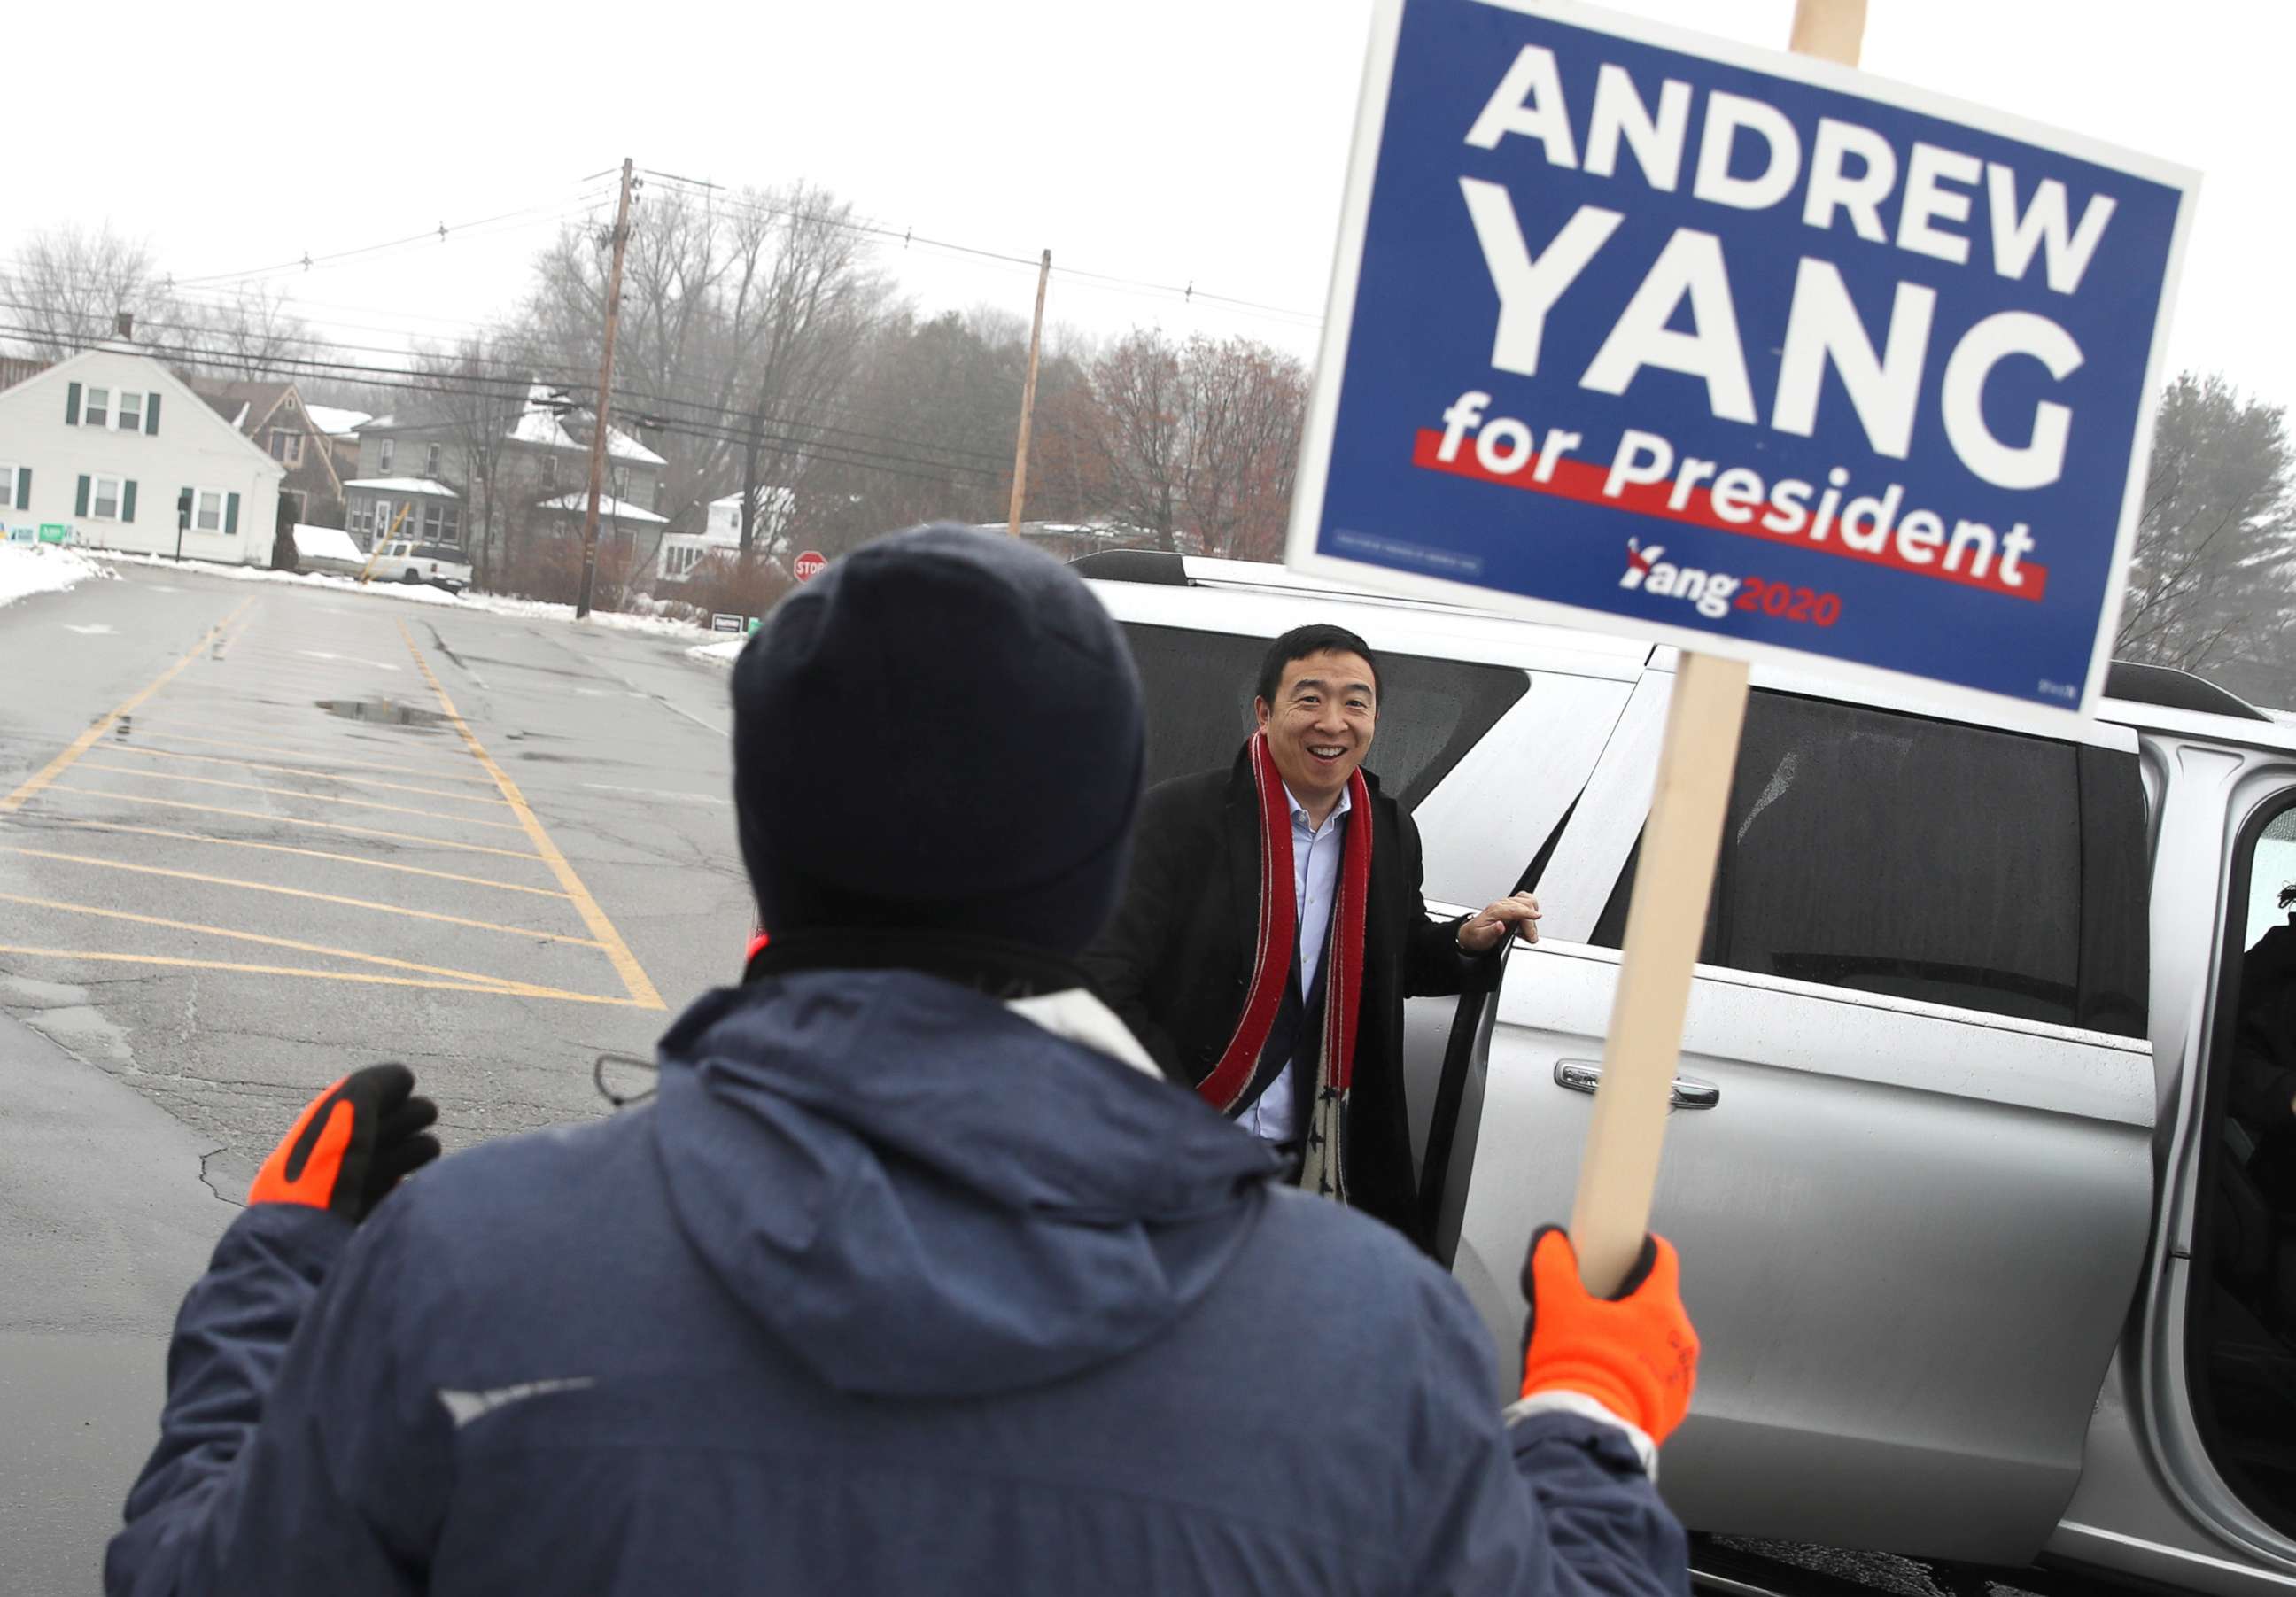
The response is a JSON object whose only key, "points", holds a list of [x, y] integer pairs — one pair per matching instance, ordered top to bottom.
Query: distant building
{"points": [[18, 368], [274, 416], [109, 442], [423, 457], [721, 534]]}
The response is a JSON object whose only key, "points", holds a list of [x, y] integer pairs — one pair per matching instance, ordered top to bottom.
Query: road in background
{"points": [[312, 830], [253, 836]]}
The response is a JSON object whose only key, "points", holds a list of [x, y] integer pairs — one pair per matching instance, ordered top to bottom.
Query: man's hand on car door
{"points": [[1484, 930]]}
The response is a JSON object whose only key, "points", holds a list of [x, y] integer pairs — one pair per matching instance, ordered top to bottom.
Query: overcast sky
{"points": [[1190, 140]]}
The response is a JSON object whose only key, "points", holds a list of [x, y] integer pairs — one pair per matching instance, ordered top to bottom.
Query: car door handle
{"points": [[1584, 1075]]}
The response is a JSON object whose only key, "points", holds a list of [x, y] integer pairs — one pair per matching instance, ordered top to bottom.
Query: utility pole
{"points": [[1029, 395], [605, 397], [750, 479]]}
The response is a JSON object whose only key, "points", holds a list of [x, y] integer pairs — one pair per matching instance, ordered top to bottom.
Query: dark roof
{"points": [[17, 368], [225, 398], [2171, 689]]}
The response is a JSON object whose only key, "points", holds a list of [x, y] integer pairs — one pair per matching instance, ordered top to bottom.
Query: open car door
{"points": [[1910, 1167]]}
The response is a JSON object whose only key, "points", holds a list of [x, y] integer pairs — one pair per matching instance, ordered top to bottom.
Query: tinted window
{"points": [[1199, 688], [1928, 860]]}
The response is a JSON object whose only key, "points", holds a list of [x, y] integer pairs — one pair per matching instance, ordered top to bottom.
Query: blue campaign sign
{"points": [[1736, 350]]}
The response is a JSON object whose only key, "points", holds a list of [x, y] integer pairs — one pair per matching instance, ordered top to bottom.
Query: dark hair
{"points": [[1301, 641], [2288, 895]]}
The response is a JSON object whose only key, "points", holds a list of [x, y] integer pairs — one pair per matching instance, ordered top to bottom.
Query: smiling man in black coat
{"points": [[1271, 927]]}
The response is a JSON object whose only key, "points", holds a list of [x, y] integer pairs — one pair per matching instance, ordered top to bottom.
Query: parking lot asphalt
{"points": [[252, 835]]}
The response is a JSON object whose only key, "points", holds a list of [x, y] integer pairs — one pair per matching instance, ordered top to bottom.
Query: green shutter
{"points": [[71, 414], [151, 414], [23, 487], [127, 501], [79, 503], [231, 513]]}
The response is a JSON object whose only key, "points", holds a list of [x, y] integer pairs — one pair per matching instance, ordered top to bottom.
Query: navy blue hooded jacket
{"points": [[890, 1289]]}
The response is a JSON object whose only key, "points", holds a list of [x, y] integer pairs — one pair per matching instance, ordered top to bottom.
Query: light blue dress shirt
{"points": [[1314, 884]]}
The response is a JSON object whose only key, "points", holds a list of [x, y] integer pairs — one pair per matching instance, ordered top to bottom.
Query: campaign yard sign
{"points": [[1740, 351]]}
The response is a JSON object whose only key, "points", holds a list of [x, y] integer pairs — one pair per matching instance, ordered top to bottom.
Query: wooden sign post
{"points": [[1666, 918]]}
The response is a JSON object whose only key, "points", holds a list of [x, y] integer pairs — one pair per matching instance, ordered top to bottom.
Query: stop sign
{"points": [[808, 566]]}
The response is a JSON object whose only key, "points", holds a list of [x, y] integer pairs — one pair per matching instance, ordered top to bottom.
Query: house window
{"points": [[98, 412], [130, 415], [286, 447], [389, 448], [431, 462], [549, 470], [12, 497], [104, 504], [207, 510], [362, 516], [434, 521], [452, 526]]}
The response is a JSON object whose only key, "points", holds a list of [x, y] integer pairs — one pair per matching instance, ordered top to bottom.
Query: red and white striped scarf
{"points": [[1325, 1167]]}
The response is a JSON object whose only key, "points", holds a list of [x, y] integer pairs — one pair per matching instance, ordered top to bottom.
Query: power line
{"points": [[442, 231], [1187, 294], [529, 372], [508, 391]]}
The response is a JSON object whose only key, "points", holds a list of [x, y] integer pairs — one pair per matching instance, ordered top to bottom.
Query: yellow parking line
{"points": [[226, 646], [86, 740], [116, 747], [346, 765], [256, 787], [257, 815], [347, 859], [266, 887], [106, 957], [626, 964], [501, 984]]}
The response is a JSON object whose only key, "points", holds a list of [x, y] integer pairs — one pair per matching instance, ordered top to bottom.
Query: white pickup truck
{"points": [[441, 565]]}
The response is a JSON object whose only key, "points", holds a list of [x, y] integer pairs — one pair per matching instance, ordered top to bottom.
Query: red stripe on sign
{"points": [[1582, 481]]}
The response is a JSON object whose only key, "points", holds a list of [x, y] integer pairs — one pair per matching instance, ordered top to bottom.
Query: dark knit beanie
{"points": [[942, 731]]}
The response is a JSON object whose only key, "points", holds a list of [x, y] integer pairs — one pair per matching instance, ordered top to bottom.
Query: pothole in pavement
{"points": [[382, 712]]}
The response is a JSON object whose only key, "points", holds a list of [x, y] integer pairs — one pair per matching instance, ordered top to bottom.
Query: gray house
{"points": [[426, 472]]}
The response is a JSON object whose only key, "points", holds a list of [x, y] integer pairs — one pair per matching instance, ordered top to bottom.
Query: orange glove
{"points": [[351, 1144], [1635, 1353]]}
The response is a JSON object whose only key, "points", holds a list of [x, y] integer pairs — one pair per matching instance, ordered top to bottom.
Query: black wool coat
{"points": [[1176, 961]]}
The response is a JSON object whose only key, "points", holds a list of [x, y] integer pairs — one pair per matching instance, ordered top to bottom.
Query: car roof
{"points": [[1184, 590]]}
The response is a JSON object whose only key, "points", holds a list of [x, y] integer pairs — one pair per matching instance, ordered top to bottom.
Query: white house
{"points": [[106, 442], [721, 533]]}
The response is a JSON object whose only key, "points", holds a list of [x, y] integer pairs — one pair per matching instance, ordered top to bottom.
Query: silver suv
{"points": [[1990, 1238]]}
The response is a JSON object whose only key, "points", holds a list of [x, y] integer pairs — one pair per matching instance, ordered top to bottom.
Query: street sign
{"points": [[1636, 330], [808, 566], [722, 623]]}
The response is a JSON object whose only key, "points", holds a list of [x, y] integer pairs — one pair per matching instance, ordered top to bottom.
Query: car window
{"points": [[446, 551], [1199, 688], [1929, 860]]}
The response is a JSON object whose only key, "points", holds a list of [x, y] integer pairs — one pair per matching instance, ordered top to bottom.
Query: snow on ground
{"points": [[28, 568], [530, 610], [720, 653]]}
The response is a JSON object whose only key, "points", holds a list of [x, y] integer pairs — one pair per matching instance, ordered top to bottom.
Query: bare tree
{"points": [[67, 285], [744, 317], [249, 331], [1141, 431], [1199, 438]]}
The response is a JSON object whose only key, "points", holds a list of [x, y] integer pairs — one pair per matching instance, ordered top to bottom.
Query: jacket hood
{"points": [[921, 1192]]}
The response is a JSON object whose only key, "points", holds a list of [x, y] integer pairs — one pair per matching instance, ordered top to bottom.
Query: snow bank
{"points": [[28, 568], [415, 593], [719, 653]]}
